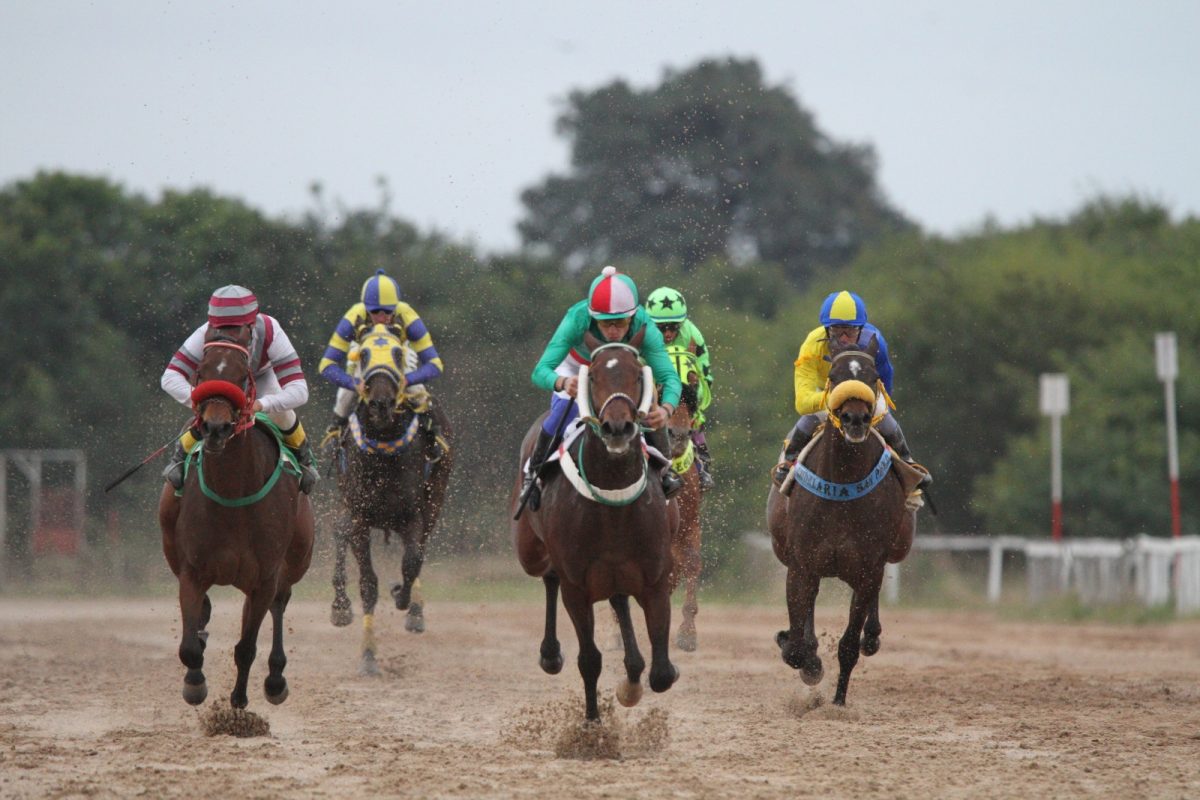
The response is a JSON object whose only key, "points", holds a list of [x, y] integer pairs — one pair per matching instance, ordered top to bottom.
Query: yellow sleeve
{"points": [[811, 372]]}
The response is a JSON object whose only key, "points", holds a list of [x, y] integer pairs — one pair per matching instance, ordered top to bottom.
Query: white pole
{"points": [[1056, 477]]}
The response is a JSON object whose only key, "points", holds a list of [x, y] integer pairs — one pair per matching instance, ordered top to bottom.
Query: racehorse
{"points": [[390, 477], [846, 518], [239, 520], [615, 542], [685, 544]]}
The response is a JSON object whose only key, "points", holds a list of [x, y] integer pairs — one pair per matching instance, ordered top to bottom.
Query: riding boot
{"points": [[333, 433], [895, 439], [436, 446], [541, 451], [791, 451], [308, 466], [704, 467], [173, 473], [671, 483]]}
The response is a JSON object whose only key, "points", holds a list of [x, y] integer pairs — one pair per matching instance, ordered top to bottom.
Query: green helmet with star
{"points": [[666, 305]]}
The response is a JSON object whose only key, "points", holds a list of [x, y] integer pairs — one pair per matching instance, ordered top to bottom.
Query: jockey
{"points": [[379, 303], [669, 311], [612, 313], [843, 320], [278, 379]]}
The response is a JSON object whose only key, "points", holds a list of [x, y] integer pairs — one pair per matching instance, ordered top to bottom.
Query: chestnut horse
{"points": [[390, 477], [239, 520], [842, 526], [614, 543], [685, 544]]}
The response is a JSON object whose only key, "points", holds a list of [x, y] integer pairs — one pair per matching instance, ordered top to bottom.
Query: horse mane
{"points": [[690, 398]]}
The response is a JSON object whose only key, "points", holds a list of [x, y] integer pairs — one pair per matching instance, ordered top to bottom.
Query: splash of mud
{"points": [[226, 721], [559, 726]]}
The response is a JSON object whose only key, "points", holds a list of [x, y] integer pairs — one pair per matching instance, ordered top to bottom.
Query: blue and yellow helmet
{"points": [[380, 293], [843, 308]]}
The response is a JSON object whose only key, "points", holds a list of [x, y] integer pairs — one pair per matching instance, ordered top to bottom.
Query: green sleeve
{"points": [[569, 334], [654, 353]]}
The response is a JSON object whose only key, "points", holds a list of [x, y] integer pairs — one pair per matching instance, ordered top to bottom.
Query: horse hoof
{"points": [[402, 594], [341, 616], [415, 621], [686, 641], [869, 645], [551, 665], [368, 668], [812, 675], [660, 682], [195, 693], [629, 694], [280, 696]]}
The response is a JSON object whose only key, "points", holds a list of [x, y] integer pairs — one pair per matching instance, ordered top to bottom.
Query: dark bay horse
{"points": [[391, 477], [241, 521], [846, 529], [614, 543], [685, 544]]}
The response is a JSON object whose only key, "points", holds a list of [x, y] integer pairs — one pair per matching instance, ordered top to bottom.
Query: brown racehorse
{"points": [[395, 481], [852, 539], [685, 544], [263, 547], [613, 547]]}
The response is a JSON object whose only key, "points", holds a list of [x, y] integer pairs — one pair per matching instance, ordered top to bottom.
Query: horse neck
{"points": [[841, 461], [242, 467], [605, 470]]}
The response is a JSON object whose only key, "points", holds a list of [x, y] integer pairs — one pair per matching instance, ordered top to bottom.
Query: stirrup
{"points": [[671, 483]]}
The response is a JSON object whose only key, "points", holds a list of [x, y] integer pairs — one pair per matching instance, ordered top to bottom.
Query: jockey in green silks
{"points": [[669, 311], [611, 313]]}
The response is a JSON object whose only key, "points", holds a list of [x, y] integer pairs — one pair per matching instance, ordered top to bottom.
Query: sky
{"points": [[976, 110]]}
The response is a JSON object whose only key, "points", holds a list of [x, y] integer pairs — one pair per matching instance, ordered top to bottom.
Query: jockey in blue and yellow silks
{"points": [[380, 303], [669, 312], [611, 313], [843, 320]]}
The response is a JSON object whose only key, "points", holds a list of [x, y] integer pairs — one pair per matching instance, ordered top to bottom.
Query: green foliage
{"points": [[712, 163]]}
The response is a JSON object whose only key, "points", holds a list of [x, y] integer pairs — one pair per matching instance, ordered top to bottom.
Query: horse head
{"points": [[381, 357], [224, 386], [620, 389], [851, 394], [679, 426]]}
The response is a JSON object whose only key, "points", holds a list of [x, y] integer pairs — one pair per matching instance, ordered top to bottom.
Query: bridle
{"points": [[584, 393], [241, 402]]}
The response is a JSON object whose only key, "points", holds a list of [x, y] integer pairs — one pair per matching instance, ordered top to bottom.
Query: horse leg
{"points": [[689, 565], [411, 570], [368, 589], [656, 603], [193, 605], [254, 609], [580, 611], [342, 614], [205, 616], [871, 631], [799, 643], [848, 645], [550, 658], [275, 686], [629, 691]]}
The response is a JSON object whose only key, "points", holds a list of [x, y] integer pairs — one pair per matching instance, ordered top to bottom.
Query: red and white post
{"points": [[1166, 359], [1054, 401]]}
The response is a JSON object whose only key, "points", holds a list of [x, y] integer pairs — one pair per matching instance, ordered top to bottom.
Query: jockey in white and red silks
{"points": [[278, 379]]}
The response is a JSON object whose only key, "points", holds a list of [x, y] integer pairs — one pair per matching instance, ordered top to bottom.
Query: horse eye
{"points": [[396, 356], [365, 357]]}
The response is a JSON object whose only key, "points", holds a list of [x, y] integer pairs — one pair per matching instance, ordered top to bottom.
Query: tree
{"points": [[711, 163]]}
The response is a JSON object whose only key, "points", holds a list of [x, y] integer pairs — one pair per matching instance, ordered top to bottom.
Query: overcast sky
{"points": [[1010, 109]]}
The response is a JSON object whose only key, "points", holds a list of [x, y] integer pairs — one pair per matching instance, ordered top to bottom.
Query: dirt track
{"points": [[954, 705]]}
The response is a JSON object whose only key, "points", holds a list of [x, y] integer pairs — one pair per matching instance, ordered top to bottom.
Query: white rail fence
{"points": [[1153, 571]]}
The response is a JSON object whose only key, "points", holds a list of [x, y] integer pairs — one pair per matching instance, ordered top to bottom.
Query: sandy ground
{"points": [[954, 705]]}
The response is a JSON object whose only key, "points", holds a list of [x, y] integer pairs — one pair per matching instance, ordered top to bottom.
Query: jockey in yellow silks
{"points": [[379, 303], [843, 320]]}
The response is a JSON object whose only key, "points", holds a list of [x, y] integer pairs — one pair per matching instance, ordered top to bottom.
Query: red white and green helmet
{"points": [[613, 295], [232, 305], [666, 305]]}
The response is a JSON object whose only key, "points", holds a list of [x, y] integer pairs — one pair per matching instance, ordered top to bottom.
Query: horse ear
{"points": [[590, 341], [636, 341]]}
